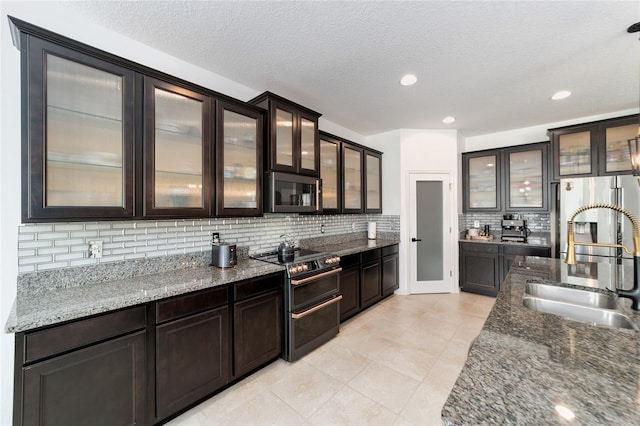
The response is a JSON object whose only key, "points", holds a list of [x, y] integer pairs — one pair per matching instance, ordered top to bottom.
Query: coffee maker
{"points": [[514, 228]]}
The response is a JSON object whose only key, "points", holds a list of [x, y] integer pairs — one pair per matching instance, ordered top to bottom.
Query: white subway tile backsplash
{"points": [[64, 245]]}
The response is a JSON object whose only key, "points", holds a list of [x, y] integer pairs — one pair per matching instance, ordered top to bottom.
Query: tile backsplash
{"points": [[536, 222], [48, 246]]}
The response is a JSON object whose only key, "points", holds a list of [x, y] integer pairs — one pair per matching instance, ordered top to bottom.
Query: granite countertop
{"points": [[538, 239], [42, 302], [525, 363]]}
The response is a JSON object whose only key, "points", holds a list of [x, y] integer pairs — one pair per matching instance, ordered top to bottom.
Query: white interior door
{"points": [[431, 249]]}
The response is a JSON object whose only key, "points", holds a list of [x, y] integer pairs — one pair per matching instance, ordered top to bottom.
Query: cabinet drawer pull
{"points": [[316, 277], [316, 308]]}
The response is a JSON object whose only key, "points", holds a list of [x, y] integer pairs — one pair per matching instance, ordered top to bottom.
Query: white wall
{"points": [[57, 19], [413, 150]]}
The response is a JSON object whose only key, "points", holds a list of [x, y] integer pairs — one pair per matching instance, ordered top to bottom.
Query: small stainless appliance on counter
{"points": [[514, 228], [223, 255], [311, 296]]}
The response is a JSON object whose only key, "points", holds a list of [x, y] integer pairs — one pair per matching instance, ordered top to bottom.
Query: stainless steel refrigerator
{"points": [[599, 225]]}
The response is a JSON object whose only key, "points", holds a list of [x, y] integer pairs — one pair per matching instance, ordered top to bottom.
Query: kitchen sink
{"points": [[571, 295], [587, 314]]}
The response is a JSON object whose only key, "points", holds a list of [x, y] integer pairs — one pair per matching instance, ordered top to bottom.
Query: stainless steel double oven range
{"points": [[311, 300]]}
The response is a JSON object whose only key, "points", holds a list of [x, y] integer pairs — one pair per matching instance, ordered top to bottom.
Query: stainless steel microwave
{"points": [[289, 193]]}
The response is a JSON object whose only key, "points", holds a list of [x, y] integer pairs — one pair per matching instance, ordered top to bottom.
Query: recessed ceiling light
{"points": [[408, 80], [561, 95], [448, 120]]}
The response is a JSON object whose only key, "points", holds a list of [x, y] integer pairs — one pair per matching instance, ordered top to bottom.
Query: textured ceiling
{"points": [[492, 65]]}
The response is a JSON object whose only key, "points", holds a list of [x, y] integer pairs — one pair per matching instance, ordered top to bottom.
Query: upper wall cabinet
{"points": [[78, 135], [292, 136], [593, 149], [177, 154], [239, 160], [330, 171], [352, 177], [507, 179], [372, 182]]}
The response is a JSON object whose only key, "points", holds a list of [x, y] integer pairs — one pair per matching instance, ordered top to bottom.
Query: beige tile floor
{"points": [[393, 364]]}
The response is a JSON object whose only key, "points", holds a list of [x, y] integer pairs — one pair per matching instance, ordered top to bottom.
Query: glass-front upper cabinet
{"points": [[616, 133], [292, 135], [598, 148], [177, 151], [238, 156], [79, 160], [481, 173], [330, 174], [526, 177], [351, 179], [373, 182]]}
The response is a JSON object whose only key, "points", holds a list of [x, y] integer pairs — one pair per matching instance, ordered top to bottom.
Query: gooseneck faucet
{"points": [[633, 294]]}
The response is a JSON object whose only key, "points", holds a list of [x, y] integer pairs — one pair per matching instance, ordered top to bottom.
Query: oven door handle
{"points": [[315, 277], [317, 307]]}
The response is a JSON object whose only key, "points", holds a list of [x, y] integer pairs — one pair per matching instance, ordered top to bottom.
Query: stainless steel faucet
{"points": [[633, 294]]}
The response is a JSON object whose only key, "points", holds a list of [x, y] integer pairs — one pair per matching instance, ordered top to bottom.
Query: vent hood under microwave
{"points": [[289, 193]]}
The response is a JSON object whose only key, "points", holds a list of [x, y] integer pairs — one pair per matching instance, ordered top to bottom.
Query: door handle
{"points": [[415, 240]]}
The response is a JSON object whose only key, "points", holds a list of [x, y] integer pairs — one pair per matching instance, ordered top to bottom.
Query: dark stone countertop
{"points": [[538, 239], [525, 363]]}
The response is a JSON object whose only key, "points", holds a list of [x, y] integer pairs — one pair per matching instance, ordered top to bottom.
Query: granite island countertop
{"points": [[44, 304], [525, 363]]}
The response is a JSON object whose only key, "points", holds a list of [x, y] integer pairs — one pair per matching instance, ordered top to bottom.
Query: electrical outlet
{"points": [[476, 224], [215, 237], [95, 249]]}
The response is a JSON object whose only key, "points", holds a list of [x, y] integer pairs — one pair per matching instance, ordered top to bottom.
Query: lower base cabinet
{"points": [[484, 266], [367, 278], [143, 365], [64, 378]]}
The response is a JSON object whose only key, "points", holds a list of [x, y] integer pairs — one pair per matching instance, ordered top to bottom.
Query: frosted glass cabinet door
{"points": [[80, 136], [284, 138], [177, 146], [617, 149], [308, 154], [575, 154], [239, 170], [329, 173], [527, 178], [352, 179], [373, 184], [482, 191]]}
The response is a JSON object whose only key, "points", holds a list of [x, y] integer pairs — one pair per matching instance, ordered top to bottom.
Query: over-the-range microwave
{"points": [[289, 193]]}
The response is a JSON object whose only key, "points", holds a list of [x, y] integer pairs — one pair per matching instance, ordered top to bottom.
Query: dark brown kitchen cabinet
{"points": [[78, 135], [292, 135], [597, 148], [177, 151], [238, 159], [330, 173], [352, 179], [507, 179], [372, 182], [484, 266], [370, 278], [390, 278], [349, 286], [258, 322], [192, 348], [91, 371]]}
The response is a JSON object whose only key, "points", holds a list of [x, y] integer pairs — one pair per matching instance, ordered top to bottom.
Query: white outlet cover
{"points": [[95, 249]]}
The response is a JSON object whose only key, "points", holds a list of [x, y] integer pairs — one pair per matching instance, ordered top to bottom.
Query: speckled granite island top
{"points": [[525, 363]]}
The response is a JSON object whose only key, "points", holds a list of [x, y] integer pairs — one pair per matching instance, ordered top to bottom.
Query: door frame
{"points": [[450, 243]]}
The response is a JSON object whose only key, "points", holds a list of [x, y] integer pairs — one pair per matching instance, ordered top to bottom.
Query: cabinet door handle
{"points": [[415, 240]]}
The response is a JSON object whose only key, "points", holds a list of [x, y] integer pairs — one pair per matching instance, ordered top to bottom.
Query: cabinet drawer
{"points": [[480, 247], [386, 251], [527, 251], [371, 255], [349, 260], [249, 288], [191, 304], [62, 338]]}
